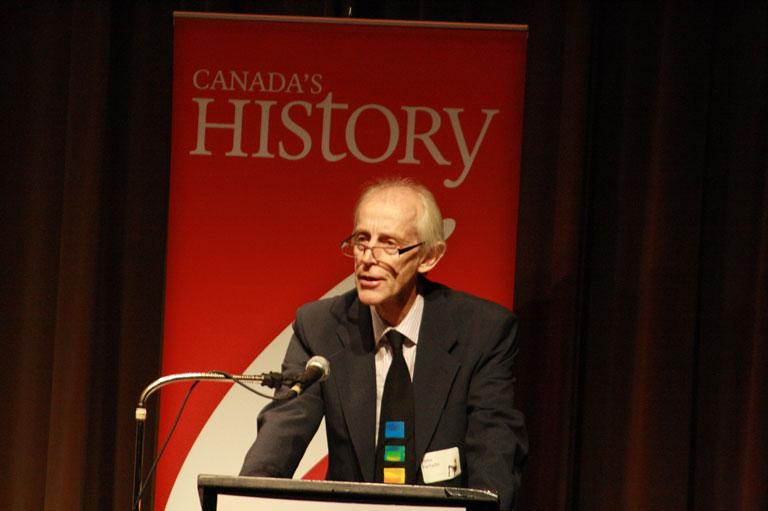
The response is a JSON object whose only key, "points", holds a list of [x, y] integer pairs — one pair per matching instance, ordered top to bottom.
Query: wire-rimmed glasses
{"points": [[356, 249]]}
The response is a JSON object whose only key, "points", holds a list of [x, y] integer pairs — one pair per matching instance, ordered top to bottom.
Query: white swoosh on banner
{"points": [[229, 432]]}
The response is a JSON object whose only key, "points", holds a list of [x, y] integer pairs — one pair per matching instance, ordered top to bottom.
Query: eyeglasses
{"points": [[351, 248]]}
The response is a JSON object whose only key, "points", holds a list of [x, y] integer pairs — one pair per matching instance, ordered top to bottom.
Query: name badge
{"points": [[441, 465]]}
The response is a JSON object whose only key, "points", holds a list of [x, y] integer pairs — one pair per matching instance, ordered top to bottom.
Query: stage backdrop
{"points": [[277, 125]]}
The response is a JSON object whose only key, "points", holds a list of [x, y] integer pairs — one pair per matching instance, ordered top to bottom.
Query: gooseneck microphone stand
{"points": [[271, 380]]}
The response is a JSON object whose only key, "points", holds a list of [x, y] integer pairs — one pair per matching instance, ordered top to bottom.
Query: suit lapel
{"points": [[435, 368], [355, 376]]}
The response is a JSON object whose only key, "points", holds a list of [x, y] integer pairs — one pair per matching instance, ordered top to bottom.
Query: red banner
{"points": [[277, 125]]}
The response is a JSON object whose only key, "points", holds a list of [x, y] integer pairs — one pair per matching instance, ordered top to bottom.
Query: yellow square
{"points": [[394, 475]]}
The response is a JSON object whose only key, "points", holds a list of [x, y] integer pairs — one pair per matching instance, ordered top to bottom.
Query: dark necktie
{"points": [[395, 452]]}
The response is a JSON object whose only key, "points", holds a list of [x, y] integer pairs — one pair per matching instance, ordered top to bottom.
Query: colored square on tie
{"points": [[394, 429], [394, 453], [394, 475]]}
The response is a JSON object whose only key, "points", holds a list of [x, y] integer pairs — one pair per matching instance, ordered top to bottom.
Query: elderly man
{"points": [[421, 387]]}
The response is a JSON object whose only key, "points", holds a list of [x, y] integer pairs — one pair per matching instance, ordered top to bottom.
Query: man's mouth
{"points": [[368, 281]]}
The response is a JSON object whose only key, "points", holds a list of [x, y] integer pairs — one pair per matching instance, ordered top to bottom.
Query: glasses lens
{"points": [[348, 249], [351, 249], [385, 252]]}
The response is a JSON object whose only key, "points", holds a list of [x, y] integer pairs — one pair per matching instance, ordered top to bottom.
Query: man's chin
{"points": [[368, 296]]}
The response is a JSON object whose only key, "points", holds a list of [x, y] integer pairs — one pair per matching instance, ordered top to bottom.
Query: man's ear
{"points": [[431, 258]]}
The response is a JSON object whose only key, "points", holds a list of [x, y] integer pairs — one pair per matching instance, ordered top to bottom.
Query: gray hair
{"points": [[429, 225]]}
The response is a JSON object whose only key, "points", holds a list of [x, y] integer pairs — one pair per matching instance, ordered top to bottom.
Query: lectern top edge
{"points": [[210, 486]]}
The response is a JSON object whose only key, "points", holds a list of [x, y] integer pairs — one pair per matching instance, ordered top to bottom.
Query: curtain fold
{"points": [[84, 196]]}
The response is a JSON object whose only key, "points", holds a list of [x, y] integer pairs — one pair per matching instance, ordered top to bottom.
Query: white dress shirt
{"points": [[409, 327]]}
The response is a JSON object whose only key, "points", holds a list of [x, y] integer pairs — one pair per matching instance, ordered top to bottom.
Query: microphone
{"points": [[317, 369]]}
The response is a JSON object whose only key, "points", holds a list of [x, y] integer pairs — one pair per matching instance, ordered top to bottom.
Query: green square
{"points": [[394, 453]]}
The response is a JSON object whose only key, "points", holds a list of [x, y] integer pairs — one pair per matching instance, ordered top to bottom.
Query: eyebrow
{"points": [[382, 236]]}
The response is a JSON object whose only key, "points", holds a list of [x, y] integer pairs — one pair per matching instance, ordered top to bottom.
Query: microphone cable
{"points": [[272, 380], [162, 449]]}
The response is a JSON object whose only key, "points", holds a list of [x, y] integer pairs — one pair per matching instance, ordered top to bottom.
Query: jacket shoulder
{"points": [[465, 303], [335, 307]]}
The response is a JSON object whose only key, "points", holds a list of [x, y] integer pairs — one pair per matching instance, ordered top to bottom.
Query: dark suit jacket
{"points": [[463, 392]]}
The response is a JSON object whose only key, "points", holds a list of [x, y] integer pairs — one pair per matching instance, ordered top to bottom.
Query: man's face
{"points": [[388, 217]]}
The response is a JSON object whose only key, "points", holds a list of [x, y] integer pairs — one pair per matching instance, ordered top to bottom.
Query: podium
{"points": [[211, 486]]}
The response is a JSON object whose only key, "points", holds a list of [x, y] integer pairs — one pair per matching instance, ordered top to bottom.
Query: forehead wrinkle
{"points": [[391, 212]]}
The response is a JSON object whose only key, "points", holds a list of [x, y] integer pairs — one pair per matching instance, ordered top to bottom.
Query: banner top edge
{"points": [[350, 21]]}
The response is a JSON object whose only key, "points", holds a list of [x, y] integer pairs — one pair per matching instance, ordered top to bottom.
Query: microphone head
{"points": [[319, 363]]}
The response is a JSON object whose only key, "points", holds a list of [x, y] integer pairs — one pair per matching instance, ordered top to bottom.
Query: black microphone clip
{"points": [[317, 369]]}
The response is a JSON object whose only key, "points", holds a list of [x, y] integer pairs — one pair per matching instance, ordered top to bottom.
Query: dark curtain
{"points": [[642, 275]]}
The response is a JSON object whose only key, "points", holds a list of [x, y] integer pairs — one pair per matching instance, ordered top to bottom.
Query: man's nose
{"points": [[367, 257]]}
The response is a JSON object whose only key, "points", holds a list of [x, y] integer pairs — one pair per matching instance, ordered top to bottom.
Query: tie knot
{"points": [[396, 340]]}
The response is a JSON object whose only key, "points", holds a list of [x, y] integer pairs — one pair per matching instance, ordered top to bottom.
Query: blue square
{"points": [[394, 429]]}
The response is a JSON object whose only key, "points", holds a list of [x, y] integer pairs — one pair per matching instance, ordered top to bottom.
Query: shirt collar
{"points": [[409, 326]]}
